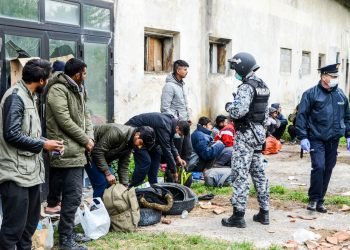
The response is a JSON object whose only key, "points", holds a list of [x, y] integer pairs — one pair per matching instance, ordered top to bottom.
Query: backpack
{"points": [[123, 208]]}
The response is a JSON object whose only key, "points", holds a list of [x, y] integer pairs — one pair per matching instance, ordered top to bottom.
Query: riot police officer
{"points": [[249, 111], [323, 117]]}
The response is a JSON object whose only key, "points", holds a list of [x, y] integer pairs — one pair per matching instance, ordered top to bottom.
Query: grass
{"points": [[277, 192], [146, 240]]}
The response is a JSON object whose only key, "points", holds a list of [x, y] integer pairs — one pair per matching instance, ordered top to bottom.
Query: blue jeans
{"points": [[323, 158], [146, 164], [97, 178]]}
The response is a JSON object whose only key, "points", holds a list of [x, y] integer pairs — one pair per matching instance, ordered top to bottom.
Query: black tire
{"points": [[184, 198], [180, 206], [149, 217]]}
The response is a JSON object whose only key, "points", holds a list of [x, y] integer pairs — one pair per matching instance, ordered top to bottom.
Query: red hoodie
{"points": [[226, 135]]}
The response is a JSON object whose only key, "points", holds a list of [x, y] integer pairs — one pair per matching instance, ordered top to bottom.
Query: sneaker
{"points": [[293, 142], [81, 238], [68, 243]]}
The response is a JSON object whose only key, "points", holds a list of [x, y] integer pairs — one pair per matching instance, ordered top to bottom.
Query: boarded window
{"points": [[158, 53], [217, 58], [286, 60], [321, 60], [306, 63]]}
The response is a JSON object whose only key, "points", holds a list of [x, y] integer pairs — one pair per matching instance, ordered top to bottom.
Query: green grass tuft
{"points": [[200, 188]]}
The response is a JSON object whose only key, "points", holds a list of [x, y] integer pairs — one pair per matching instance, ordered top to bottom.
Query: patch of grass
{"points": [[200, 188], [277, 189], [337, 200], [146, 240]]}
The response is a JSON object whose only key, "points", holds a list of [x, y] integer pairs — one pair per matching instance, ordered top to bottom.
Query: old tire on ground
{"points": [[184, 198], [149, 217]]}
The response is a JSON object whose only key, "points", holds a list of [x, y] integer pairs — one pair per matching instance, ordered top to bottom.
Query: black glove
{"points": [[227, 106]]}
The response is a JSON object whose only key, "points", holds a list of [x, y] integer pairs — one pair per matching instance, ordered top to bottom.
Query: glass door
{"points": [[97, 81]]}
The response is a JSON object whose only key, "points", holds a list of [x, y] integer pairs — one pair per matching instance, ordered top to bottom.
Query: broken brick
{"points": [[218, 210], [166, 221], [342, 236], [332, 240], [311, 244]]}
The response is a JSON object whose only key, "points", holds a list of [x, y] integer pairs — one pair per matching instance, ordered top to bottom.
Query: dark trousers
{"points": [[279, 131], [292, 132], [184, 146], [323, 159], [146, 164], [97, 178], [72, 186], [55, 188], [21, 214]]}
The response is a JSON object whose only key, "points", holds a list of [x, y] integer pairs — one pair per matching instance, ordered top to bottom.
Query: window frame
{"points": [[291, 61]]}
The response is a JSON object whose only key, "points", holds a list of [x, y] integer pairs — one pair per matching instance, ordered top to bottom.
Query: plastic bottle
{"points": [[184, 214]]}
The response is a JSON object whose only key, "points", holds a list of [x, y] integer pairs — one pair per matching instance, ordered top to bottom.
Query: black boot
{"points": [[312, 206], [321, 207], [262, 217], [236, 220], [68, 243]]}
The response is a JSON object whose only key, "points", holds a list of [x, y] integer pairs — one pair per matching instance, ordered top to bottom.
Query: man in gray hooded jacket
{"points": [[174, 102]]}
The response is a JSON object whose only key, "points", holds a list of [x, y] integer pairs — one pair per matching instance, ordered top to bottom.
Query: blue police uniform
{"points": [[323, 117]]}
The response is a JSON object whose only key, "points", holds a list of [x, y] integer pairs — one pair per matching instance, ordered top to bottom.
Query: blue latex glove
{"points": [[348, 143], [305, 145]]}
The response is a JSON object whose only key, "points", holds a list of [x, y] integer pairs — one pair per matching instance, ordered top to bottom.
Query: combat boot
{"points": [[262, 217], [236, 220], [68, 243]]}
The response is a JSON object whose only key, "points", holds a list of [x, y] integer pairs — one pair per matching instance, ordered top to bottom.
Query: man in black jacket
{"points": [[323, 117], [147, 162]]}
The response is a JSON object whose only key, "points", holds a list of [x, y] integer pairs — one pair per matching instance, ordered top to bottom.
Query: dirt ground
{"points": [[286, 164]]}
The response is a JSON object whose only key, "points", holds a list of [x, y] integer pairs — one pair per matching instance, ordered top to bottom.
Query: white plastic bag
{"points": [[95, 223], [302, 235], [43, 236], [49, 239]]}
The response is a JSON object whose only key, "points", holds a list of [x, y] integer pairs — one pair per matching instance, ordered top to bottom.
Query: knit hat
{"points": [[57, 66], [275, 105], [272, 109]]}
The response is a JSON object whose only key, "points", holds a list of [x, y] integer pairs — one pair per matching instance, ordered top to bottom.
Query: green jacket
{"points": [[67, 119], [113, 141], [20, 143]]}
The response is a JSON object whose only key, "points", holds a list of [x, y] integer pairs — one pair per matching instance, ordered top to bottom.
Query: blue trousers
{"points": [[323, 159], [146, 164], [97, 178]]}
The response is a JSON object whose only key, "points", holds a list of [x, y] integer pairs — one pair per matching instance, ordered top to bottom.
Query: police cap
{"points": [[331, 69]]}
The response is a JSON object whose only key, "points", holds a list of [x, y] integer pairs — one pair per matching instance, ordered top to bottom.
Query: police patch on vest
{"points": [[262, 91]]}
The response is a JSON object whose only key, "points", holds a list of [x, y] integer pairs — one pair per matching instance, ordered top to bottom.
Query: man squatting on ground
{"points": [[249, 111]]}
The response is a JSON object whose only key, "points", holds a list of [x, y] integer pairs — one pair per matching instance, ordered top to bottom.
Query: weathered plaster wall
{"points": [[256, 26]]}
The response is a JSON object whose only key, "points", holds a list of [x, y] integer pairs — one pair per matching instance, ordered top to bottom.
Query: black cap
{"points": [[331, 69], [148, 136]]}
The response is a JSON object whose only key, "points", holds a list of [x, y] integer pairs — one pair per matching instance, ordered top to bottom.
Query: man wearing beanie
{"points": [[283, 121]]}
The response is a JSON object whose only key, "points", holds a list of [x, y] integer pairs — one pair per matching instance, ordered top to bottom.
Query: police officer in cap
{"points": [[249, 111], [323, 117]]}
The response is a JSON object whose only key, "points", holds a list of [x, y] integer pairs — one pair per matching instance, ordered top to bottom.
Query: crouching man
{"points": [[115, 142], [21, 163]]}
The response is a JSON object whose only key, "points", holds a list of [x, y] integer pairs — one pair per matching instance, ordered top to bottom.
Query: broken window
{"points": [[158, 53], [217, 58], [286, 60], [321, 60], [306, 63]]}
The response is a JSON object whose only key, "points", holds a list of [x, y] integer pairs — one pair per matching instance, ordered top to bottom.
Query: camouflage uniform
{"points": [[246, 156]]}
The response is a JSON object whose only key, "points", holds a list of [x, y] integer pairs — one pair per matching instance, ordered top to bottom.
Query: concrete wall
{"points": [[260, 27]]}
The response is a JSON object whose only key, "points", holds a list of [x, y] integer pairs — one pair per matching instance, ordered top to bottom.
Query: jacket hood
{"points": [[60, 78], [171, 78], [203, 129]]}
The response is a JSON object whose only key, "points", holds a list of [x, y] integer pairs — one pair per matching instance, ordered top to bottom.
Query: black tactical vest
{"points": [[259, 103]]}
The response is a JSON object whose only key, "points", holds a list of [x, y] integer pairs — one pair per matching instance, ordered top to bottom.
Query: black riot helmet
{"points": [[243, 63]]}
